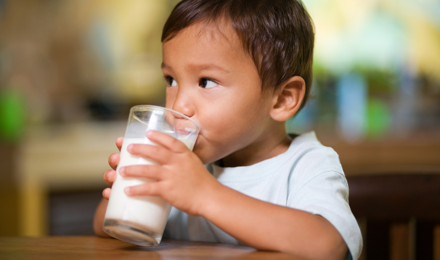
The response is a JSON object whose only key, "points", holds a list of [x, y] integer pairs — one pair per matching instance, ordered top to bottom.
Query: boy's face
{"points": [[212, 80]]}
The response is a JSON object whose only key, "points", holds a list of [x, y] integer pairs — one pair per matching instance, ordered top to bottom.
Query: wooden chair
{"points": [[399, 215]]}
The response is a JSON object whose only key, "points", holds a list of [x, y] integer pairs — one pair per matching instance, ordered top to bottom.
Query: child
{"points": [[240, 69]]}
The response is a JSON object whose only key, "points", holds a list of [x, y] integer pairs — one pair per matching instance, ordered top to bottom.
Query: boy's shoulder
{"points": [[308, 147], [309, 157]]}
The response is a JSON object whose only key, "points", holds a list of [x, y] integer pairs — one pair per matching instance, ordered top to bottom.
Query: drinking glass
{"points": [[141, 220]]}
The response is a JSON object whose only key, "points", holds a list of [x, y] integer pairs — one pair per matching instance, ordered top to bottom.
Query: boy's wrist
{"points": [[210, 199]]}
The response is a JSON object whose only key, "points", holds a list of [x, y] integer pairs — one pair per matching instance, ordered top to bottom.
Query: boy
{"points": [[240, 69]]}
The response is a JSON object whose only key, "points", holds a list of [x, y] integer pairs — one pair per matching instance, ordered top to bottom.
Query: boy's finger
{"points": [[166, 141], [119, 142], [155, 153], [113, 160], [144, 171], [109, 177], [149, 189], [106, 193]]}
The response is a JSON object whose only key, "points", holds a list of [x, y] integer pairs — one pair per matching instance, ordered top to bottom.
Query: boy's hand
{"points": [[110, 175], [181, 178]]}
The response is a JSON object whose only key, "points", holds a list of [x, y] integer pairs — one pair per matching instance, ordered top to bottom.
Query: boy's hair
{"points": [[277, 34]]}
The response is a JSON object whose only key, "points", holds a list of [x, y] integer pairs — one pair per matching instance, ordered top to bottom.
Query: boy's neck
{"points": [[273, 143]]}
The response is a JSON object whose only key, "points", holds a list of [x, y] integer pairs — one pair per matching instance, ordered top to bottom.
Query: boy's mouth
{"points": [[184, 127]]}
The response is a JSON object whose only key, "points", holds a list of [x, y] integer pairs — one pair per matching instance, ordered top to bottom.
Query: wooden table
{"points": [[90, 247]]}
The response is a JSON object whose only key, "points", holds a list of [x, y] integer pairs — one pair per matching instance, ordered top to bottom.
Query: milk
{"points": [[144, 212], [147, 214]]}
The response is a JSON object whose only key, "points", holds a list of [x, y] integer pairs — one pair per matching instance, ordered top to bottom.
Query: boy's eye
{"points": [[171, 82], [207, 83]]}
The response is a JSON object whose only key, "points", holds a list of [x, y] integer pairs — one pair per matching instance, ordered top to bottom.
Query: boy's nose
{"points": [[182, 104]]}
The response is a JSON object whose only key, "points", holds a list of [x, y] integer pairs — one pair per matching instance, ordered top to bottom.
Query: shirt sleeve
{"points": [[326, 194]]}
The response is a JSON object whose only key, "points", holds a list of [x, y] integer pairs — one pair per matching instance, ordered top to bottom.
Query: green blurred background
{"points": [[70, 70]]}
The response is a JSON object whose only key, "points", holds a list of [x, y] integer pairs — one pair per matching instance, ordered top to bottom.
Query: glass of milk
{"points": [[141, 220]]}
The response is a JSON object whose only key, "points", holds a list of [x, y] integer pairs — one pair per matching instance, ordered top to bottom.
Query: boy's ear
{"points": [[288, 98]]}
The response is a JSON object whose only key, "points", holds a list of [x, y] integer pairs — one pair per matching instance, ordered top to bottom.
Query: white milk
{"points": [[145, 212]]}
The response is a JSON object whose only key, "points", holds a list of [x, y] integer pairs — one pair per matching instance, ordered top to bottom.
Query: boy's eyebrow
{"points": [[209, 66]]}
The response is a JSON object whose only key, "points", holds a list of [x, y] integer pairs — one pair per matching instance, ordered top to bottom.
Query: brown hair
{"points": [[277, 34]]}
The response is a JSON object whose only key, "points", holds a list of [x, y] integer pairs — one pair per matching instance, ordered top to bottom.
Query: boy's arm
{"points": [[109, 177], [184, 182], [99, 218], [271, 227]]}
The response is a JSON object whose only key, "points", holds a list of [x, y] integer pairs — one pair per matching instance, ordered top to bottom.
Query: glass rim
{"points": [[153, 107]]}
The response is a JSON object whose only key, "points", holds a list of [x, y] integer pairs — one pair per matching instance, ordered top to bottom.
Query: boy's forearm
{"points": [[99, 218], [270, 227]]}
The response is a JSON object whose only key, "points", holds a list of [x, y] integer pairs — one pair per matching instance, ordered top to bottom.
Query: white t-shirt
{"points": [[308, 177]]}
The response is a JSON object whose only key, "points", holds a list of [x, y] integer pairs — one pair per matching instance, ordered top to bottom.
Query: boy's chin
{"points": [[203, 156]]}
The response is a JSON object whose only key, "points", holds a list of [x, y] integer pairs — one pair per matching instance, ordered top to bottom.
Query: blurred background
{"points": [[70, 70]]}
